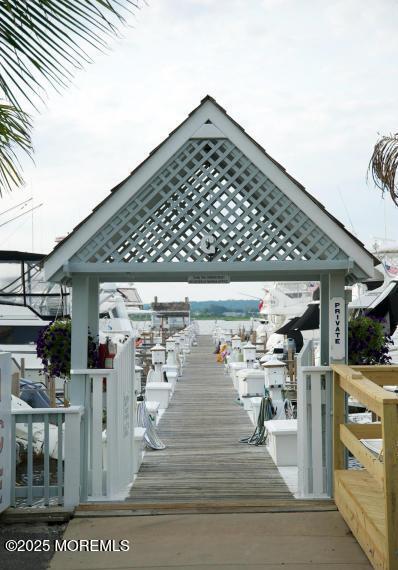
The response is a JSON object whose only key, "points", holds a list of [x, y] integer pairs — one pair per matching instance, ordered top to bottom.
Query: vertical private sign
{"points": [[337, 328], [5, 430]]}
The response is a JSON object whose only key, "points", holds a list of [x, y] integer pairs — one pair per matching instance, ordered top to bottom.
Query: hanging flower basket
{"points": [[54, 349]]}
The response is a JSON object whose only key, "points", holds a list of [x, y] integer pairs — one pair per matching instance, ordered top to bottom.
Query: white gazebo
{"points": [[208, 205]]}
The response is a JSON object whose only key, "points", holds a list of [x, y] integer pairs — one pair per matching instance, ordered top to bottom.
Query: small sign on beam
{"points": [[212, 279], [337, 328]]}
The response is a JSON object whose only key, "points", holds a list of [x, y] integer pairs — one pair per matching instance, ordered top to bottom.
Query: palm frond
{"points": [[50, 39], [43, 42], [15, 127], [383, 165]]}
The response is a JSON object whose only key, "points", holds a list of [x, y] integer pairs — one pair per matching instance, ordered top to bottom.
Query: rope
{"points": [[289, 410], [267, 412], [144, 420]]}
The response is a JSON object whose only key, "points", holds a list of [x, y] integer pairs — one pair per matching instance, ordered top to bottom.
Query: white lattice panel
{"points": [[209, 191]]}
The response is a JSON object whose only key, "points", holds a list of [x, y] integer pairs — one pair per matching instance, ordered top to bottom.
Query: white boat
{"points": [[283, 301], [28, 303], [117, 303], [21, 431]]}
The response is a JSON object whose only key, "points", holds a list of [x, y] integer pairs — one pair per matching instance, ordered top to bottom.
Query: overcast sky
{"points": [[313, 81]]}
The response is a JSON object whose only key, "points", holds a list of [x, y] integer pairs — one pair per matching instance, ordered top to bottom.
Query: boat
{"points": [[27, 304], [21, 431]]}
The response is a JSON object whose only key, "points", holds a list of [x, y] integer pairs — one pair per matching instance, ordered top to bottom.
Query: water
{"points": [[207, 327]]}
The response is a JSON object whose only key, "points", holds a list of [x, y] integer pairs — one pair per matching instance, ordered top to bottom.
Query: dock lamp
{"points": [[227, 337], [187, 340], [182, 342], [170, 349], [177, 352], [249, 354], [158, 359], [275, 373]]}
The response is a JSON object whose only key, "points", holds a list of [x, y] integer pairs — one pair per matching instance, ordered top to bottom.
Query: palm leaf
{"points": [[45, 41], [15, 129], [383, 165]]}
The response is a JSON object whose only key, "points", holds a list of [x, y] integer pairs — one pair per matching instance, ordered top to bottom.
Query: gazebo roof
{"points": [[173, 212]]}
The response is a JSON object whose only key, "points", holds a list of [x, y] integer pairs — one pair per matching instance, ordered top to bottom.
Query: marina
{"points": [[162, 415]]}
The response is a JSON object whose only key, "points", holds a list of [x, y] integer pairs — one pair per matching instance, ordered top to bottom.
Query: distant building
{"points": [[170, 316]]}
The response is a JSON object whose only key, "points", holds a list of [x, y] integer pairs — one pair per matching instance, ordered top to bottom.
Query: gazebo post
{"points": [[93, 306], [80, 313], [324, 318], [337, 354]]}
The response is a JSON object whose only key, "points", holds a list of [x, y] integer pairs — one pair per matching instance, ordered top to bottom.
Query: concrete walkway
{"points": [[235, 541]]}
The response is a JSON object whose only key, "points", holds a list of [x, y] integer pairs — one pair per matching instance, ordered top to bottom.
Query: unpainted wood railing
{"points": [[368, 498]]}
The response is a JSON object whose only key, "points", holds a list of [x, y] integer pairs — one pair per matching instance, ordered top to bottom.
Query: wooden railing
{"points": [[368, 498]]}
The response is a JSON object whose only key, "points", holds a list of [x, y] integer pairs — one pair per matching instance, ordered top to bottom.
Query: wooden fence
{"points": [[368, 498]]}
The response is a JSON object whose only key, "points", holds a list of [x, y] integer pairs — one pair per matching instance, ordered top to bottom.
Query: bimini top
{"points": [[209, 205], [8, 256]]}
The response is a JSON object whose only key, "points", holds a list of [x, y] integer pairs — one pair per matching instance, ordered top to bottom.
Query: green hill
{"points": [[239, 308]]}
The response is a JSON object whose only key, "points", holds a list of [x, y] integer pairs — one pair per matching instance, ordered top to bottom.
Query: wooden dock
{"points": [[203, 460], [223, 503]]}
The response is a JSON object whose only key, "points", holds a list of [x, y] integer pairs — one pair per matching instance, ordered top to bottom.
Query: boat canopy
{"points": [[377, 304]]}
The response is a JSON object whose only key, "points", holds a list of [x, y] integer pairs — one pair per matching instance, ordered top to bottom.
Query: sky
{"points": [[314, 82]]}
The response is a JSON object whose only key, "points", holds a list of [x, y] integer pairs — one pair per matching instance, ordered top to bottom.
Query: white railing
{"points": [[314, 426], [47, 433], [107, 470]]}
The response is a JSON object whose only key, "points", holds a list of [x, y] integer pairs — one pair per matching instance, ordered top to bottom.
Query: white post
{"points": [[80, 302], [93, 306], [324, 319], [338, 338], [79, 342], [170, 348], [158, 360], [302, 421], [5, 431], [72, 458]]}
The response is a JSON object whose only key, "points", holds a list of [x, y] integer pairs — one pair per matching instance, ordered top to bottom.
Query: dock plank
{"points": [[203, 460]]}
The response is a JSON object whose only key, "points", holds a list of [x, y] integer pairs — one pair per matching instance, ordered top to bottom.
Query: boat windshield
{"points": [[23, 284], [19, 334]]}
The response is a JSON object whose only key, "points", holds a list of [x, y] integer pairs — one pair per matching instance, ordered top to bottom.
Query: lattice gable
{"points": [[209, 203]]}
